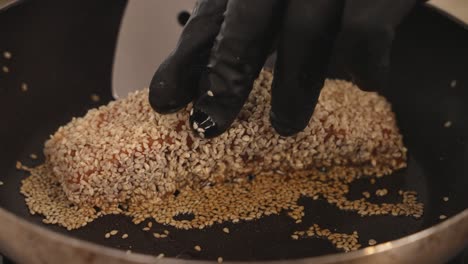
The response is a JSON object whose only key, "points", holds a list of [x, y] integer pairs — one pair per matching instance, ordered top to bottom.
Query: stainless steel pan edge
{"points": [[5, 4], [433, 245]]}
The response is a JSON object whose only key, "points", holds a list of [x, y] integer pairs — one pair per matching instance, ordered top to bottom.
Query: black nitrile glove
{"points": [[234, 37]]}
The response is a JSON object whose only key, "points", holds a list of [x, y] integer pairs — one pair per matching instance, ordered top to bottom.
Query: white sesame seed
{"points": [[7, 55], [5, 69], [453, 83], [24, 87], [210, 93], [95, 98], [448, 124], [195, 125], [1, 183], [381, 192], [445, 199], [442, 217], [372, 242], [197, 248], [220, 260]]}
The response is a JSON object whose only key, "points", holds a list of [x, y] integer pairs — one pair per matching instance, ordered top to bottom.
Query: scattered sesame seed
{"points": [[7, 55], [5, 69], [453, 83], [24, 87], [210, 93], [95, 98], [191, 111], [448, 124], [195, 125], [33, 156], [190, 163], [19, 165], [372, 181], [1, 183], [381, 192], [366, 194], [445, 199], [442, 217], [150, 224], [146, 229], [226, 230], [114, 232], [166, 232], [107, 235], [157, 235], [124, 236], [295, 237], [345, 242], [372, 242], [197, 248], [128, 252], [160, 256], [220, 260]]}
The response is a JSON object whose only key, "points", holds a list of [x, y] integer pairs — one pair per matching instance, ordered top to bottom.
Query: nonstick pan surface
{"points": [[64, 50]]}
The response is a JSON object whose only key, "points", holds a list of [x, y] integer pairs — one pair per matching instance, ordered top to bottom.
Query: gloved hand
{"points": [[234, 38]]}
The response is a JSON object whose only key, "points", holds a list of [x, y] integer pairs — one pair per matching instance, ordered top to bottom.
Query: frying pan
{"points": [[64, 51]]}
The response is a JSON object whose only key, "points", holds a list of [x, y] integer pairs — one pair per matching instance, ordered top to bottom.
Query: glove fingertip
{"points": [[166, 95], [214, 113], [203, 124], [284, 129]]}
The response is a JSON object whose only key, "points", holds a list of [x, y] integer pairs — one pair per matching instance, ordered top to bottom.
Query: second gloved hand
{"points": [[234, 38]]}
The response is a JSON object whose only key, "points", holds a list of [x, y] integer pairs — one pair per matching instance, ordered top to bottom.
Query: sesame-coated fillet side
{"points": [[125, 151]]}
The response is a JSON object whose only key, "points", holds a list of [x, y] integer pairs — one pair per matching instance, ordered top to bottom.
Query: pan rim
{"points": [[6, 4], [459, 220]]}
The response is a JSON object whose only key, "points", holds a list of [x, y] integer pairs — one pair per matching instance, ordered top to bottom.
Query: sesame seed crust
{"points": [[125, 151]]}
